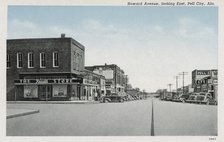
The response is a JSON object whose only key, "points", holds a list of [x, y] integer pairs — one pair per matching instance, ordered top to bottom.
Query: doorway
{"points": [[45, 92]]}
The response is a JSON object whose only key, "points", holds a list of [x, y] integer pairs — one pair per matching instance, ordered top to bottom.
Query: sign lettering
{"points": [[47, 81]]}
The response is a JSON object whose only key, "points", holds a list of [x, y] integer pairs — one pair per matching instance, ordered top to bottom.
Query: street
{"points": [[131, 118]]}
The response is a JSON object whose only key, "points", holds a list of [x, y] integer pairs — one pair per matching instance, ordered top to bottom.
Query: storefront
{"points": [[48, 89], [90, 89]]}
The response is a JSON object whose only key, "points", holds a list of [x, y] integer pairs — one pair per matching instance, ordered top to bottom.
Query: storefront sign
{"points": [[205, 72], [47, 81], [87, 81], [30, 91]]}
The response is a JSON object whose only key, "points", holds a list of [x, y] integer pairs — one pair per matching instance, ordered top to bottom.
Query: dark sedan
{"points": [[112, 98]]}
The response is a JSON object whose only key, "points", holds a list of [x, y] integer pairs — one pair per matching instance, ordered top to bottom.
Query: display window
{"points": [[59, 90], [30, 91]]}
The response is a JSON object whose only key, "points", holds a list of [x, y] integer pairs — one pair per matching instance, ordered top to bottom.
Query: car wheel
{"points": [[121, 100]]}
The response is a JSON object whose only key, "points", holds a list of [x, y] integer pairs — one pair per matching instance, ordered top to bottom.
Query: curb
{"points": [[51, 102], [22, 114]]}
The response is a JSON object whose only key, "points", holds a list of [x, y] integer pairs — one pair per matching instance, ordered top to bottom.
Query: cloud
{"points": [[23, 24], [93, 25], [192, 28], [150, 55]]}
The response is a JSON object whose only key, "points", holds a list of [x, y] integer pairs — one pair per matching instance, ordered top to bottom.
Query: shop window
{"points": [[55, 59], [8, 60], [19, 60], [30, 60], [42, 60]]}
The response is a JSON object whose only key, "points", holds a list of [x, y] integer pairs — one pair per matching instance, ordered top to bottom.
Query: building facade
{"points": [[45, 69], [116, 80], [205, 81], [94, 85]]}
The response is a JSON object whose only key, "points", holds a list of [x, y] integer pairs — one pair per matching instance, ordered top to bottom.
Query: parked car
{"points": [[169, 96], [184, 97], [112, 98], [176, 98], [192, 98], [205, 98]]}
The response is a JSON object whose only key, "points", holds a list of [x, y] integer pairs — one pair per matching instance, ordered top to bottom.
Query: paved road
{"points": [[114, 119]]}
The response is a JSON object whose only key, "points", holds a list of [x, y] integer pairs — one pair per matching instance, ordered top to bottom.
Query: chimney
{"points": [[63, 35]]}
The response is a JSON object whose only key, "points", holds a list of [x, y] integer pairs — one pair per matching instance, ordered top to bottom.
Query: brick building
{"points": [[45, 69], [116, 80], [205, 81], [94, 85]]}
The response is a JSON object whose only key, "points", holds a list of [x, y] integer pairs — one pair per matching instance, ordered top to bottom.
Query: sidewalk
{"points": [[53, 102], [11, 113]]}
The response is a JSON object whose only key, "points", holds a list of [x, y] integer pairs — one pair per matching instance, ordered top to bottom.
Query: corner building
{"points": [[45, 69]]}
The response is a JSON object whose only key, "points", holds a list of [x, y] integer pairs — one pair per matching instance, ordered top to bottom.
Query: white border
{"points": [[3, 36]]}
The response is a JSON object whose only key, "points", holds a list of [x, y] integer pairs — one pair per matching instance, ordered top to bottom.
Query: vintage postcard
{"points": [[112, 70]]}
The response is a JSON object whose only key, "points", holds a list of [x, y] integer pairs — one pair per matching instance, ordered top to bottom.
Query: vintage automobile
{"points": [[168, 96], [184, 97], [112, 98], [176, 98], [192, 98], [205, 98]]}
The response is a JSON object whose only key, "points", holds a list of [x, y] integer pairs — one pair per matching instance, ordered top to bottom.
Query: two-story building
{"points": [[45, 69], [116, 80], [205, 81]]}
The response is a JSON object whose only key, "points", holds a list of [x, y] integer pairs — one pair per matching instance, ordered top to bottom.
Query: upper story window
{"points": [[55, 59], [8, 60], [19, 60], [30, 60], [42, 60], [74, 60]]}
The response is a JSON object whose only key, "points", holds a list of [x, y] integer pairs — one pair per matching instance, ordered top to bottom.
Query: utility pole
{"points": [[183, 73], [176, 77], [170, 86]]}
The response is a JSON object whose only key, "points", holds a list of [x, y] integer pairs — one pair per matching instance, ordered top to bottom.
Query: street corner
{"points": [[13, 112]]}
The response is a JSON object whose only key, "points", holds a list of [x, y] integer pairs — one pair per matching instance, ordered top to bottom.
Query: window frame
{"points": [[55, 59], [18, 60], [29, 61], [42, 61]]}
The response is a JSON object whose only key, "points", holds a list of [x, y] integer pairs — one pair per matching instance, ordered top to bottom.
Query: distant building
{"points": [[45, 69], [116, 80], [205, 81], [94, 85]]}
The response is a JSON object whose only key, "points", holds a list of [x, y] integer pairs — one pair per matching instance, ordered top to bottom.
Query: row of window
{"points": [[31, 60]]}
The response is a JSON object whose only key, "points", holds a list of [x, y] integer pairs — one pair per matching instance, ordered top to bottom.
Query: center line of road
{"points": [[152, 121]]}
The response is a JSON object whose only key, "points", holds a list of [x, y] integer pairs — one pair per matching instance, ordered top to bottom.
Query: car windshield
{"points": [[191, 97]]}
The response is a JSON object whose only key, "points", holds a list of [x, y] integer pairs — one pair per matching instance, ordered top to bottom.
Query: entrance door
{"points": [[45, 92], [78, 93]]}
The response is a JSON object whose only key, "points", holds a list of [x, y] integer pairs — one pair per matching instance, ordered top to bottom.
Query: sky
{"points": [[151, 44]]}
